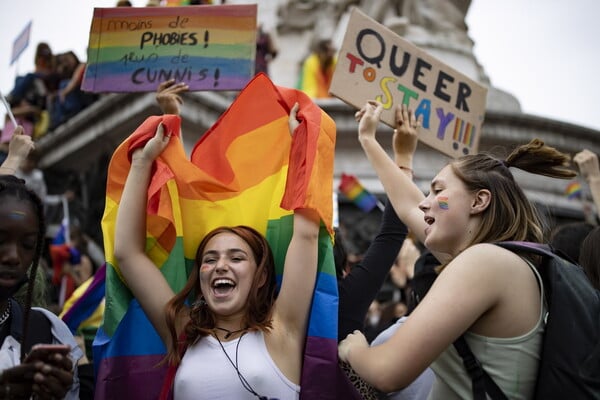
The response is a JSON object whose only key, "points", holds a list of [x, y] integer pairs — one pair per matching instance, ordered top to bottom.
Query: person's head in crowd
{"points": [[124, 3], [325, 50], [44, 59], [66, 63], [505, 212], [22, 228], [567, 239], [589, 256]]}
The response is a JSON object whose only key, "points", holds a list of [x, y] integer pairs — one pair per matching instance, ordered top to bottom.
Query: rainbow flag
{"points": [[133, 49], [245, 170], [351, 187], [573, 190], [85, 306]]}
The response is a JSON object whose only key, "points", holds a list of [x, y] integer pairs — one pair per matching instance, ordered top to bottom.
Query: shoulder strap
{"points": [[531, 247], [40, 330], [482, 383]]}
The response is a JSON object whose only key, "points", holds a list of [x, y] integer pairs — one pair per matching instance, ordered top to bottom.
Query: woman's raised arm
{"points": [[144, 279]]}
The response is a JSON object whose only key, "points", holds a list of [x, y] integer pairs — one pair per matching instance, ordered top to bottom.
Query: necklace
{"points": [[5, 314], [229, 333], [243, 380]]}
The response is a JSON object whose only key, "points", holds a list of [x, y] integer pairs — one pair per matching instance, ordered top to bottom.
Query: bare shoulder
{"points": [[488, 253], [488, 261]]}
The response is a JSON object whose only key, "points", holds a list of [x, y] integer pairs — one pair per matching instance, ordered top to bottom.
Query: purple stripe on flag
{"points": [[131, 377], [321, 380]]}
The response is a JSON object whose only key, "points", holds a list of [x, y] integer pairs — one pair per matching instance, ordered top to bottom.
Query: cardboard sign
{"points": [[133, 49], [374, 63]]}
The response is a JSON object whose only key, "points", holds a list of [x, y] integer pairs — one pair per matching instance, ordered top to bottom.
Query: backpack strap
{"points": [[540, 249], [39, 327], [482, 383]]}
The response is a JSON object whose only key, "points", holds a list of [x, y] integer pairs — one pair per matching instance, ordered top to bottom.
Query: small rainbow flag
{"points": [[133, 49], [246, 169], [573, 190], [355, 191]]}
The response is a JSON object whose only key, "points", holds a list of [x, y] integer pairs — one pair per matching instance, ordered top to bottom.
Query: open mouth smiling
{"points": [[223, 286]]}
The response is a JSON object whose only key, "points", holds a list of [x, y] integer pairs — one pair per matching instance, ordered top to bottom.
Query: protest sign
{"points": [[20, 43], [133, 49], [374, 63]]}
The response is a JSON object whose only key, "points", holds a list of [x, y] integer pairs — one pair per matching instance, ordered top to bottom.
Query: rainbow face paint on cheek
{"points": [[443, 202], [17, 215]]}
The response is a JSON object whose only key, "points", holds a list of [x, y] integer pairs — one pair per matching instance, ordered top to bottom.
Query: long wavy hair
{"points": [[12, 187], [510, 215], [203, 320]]}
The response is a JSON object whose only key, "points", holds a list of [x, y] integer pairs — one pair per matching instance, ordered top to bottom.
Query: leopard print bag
{"points": [[367, 391]]}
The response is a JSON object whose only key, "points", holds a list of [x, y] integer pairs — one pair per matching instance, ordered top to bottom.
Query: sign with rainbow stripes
{"points": [[133, 49], [375, 63]]}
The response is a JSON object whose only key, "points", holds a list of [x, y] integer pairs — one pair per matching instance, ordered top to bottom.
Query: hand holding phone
{"points": [[44, 352]]}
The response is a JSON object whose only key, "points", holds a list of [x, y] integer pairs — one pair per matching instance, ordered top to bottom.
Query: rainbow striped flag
{"points": [[133, 49], [245, 170], [351, 187], [573, 190], [85, 306]]}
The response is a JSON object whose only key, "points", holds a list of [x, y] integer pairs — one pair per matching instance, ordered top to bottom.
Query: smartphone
{"points": [[43, 351]]}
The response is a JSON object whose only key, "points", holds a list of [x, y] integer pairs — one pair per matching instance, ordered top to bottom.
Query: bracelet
{"points": [[406, 169]]}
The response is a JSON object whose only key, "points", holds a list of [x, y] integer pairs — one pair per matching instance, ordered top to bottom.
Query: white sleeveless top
{"points": [[511, 362], [206, 373]]}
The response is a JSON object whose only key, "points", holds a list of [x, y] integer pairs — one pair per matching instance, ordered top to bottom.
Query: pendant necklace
{"points": [[229, 333], [243, 380]]}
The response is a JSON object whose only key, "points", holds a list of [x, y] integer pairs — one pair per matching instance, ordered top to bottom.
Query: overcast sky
{"points": [[541, 51]]}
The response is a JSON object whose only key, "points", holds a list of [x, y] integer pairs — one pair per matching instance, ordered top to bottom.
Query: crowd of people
{"points": [[48, 96], [393, 339]]}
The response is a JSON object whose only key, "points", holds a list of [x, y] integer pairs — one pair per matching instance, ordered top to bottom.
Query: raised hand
{"points": [[168, 96], [293, 118], [368, 119], [405, 134], [20, 145], [154, 147], [587, 162]]}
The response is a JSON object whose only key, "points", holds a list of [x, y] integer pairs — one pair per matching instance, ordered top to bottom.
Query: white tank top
{"points": [[206, 373]]}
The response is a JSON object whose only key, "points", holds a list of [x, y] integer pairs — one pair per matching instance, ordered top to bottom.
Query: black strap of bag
{"points": [[482, 383]]}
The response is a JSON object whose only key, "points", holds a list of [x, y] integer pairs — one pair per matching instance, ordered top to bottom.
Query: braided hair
{"points": [[12, 187]]}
